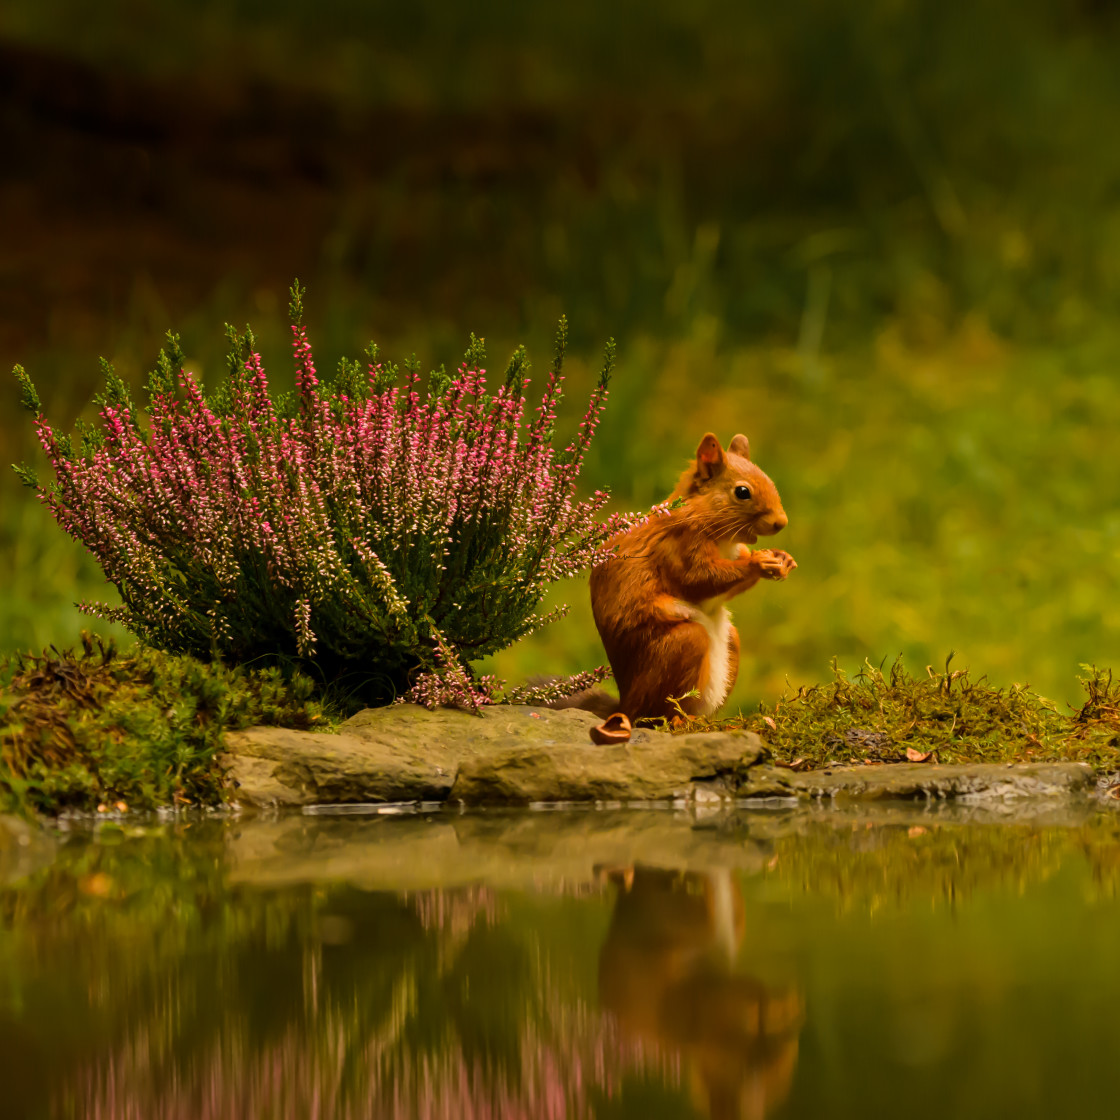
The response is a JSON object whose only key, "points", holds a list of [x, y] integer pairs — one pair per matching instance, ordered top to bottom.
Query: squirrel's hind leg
{"points": [[676, 662]]}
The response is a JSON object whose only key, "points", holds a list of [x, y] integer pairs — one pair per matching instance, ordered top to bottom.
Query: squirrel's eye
{"points": [[743, 493]]}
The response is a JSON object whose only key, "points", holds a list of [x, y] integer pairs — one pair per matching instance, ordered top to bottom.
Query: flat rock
{"points": [[407, 753], [521, 755], [274, 766], [657, 767], [922, 781]]}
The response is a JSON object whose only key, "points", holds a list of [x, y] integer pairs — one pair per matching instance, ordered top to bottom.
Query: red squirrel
{"points": [[659, 601]]}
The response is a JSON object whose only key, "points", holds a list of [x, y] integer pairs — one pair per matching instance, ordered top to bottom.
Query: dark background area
{"points": [[882, 239]]}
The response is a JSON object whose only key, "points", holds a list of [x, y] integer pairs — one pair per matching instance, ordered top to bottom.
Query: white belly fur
{"points": [[716, 620]]}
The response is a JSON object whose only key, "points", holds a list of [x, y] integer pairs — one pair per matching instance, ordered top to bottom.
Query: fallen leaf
{"points": [[769, 723], [918, 756], [917, 830]]}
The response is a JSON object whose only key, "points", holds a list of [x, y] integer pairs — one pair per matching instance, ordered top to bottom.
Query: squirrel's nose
{"points": [[775, 523]]}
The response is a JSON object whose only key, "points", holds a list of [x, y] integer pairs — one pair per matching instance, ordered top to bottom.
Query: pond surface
{"points": [[544, 965]]}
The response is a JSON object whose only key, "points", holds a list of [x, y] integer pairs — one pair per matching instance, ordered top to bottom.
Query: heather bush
{"points": [[370, 526]]}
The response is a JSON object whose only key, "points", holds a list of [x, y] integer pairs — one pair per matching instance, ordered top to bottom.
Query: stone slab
{"points": [[399, 753], [521, 755], [660, 768], [925, 782]]}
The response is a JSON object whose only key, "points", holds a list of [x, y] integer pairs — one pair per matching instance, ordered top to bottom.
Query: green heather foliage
{"points": [[379, 532], [943, 716], [143, 729]]}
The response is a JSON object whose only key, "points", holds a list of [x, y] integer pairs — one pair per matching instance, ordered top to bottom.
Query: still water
{"points": [[582, 964]]}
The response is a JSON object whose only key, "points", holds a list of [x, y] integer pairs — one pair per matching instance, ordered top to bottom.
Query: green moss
{"points": [[878, 716], [143, 728]]}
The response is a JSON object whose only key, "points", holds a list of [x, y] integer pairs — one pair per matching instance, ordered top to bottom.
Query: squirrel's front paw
{"points": [[774, 563]]}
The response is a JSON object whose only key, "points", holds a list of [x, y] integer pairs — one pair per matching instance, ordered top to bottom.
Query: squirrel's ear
{"points": [[740, 446], [710, 459]]}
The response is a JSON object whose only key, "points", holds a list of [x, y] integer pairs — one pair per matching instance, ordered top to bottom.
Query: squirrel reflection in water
{"points": [[666, 972]]}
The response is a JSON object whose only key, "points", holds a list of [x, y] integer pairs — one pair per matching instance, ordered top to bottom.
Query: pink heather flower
{"points": [[384, 531], [564, 1057]]}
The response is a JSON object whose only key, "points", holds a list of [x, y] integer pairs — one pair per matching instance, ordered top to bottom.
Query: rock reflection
{"points": [[668, 972]]}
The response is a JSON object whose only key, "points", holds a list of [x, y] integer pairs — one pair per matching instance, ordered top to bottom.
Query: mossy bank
{"points": [[104, 730], [136, 730]]}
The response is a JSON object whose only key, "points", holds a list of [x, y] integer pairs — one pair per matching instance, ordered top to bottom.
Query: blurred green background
{"points": [[883, 239]]}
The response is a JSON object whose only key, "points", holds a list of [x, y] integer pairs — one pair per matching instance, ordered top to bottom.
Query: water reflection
{"points": [[767, 964], [668, 972]]}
